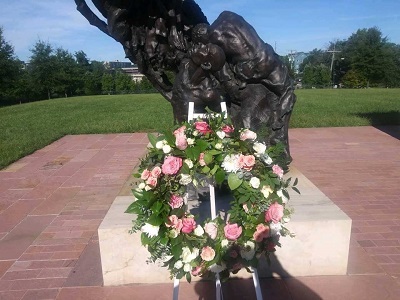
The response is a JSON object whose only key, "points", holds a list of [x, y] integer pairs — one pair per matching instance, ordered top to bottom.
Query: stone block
{"points": [[321, 245]]}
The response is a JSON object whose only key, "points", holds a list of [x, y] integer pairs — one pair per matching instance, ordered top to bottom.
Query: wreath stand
{"points": [[256, 280]]}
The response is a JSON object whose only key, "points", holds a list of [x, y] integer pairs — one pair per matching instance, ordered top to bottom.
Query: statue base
{"points": [[320, 247]]}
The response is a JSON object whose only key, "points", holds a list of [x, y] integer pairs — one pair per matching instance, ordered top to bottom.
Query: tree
{"points": [[364, 52], [10, 70], [42, 70], [67, 73], [316, 75], [92, 79], [107, 83], [123, 83]]}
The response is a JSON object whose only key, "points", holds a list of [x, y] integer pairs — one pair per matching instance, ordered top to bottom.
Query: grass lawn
{"points": [[28, 127]]}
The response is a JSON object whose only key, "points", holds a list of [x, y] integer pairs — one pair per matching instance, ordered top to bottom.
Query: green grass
{"points": [[28, 127]]}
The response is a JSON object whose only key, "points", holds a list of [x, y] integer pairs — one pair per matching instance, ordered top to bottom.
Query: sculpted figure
{"points": [[226, 60]]}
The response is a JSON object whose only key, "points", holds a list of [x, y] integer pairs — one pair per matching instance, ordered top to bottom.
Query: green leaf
{"points": [[152, 139], [202, 145], [214, 152], [208, 158], [215, 169], [205, 170], [220, 176], [233, 181], [295, 182], [156, 207], [132, 209], [188, 277]]}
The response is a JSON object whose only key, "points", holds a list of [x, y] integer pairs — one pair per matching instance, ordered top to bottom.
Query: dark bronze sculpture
{"points": [[225, 61]]}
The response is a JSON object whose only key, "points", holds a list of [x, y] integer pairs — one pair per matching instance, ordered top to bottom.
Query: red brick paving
{"points": [[52, 202]]}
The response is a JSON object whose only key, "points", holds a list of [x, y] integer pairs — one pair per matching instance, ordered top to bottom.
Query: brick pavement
{"points": [[52, 202]]}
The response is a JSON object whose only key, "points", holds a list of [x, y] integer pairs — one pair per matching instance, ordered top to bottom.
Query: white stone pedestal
{"points": [[321, 245]]}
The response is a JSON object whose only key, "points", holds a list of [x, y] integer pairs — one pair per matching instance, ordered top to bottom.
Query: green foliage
{"points": [[10, 69], [316, 76], [353, 79]]}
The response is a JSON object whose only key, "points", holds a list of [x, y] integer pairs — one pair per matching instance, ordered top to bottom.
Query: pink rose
{"points": [[202, 127], [227, 129], [247, 134], [180, 138], [201, 159], [247, 162], [171, 165], [277, 170], [156, 172], [145, 174], [152, 181], [176, 201], [274, 213], [174, 222], [189, 224], [211, 229], [232, 231], [262, 232], [207, 253], [197, 271]]}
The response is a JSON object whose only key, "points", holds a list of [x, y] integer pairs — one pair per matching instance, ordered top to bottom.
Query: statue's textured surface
{"points": [[225, 61]]}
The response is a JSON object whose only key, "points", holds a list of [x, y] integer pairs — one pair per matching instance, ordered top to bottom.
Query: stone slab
{"points": [[321, 245]]}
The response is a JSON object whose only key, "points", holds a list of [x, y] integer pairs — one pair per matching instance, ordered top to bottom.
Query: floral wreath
{"points": [[215, 150]]}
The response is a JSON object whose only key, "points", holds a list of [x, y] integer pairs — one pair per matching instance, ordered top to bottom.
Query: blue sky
{"points": [[288, 25]]}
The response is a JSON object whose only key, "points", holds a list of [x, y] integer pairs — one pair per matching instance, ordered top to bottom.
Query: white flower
{"points": [[195, 133], [221, 134], [190, 141], [161, 144], [218, 146], [259, 148], [166, 149], [267, 159], [189, 163], [231, 163], [185, 179], [255, 182], [142, 185], [148, 187], [266, 190], [283, 197], [275, 228], [150, 230], [199, 231], [173, 233], [224, 243], [248, 251], [188, 256], [167, 258], [178, 264], [187, 268], [217, 268]]}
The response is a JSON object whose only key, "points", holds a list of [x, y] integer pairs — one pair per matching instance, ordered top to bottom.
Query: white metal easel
{"points": [[256, 281]]}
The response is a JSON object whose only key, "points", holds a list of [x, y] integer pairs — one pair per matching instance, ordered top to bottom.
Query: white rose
{"points": [[195, 133], [221, 134], [190, 141], [160, 144], [219, 146], [259, 148], [166, 149], [267, 159], [189, 163], [185, 179], [255, 182], [142, 185], [266, 190], [283, 197], [275, 228], [150, 230], [199, 231], [224, 243], [248, 251], [188, 256], [178, 265], [187, 268], [217, 268]]}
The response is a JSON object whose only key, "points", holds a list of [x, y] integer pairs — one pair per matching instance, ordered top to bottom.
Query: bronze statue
{"points": [[225, 61]]}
